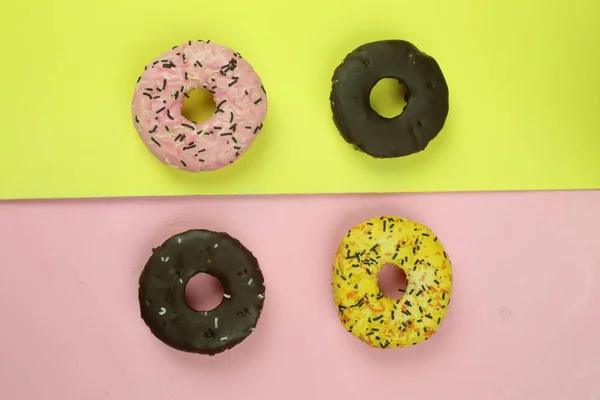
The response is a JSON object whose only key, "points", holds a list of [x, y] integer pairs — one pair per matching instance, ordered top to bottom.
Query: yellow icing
{"points": [[381, 321]]}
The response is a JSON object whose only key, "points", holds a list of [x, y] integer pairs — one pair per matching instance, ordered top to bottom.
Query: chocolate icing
{"points": [[427, 99], [162, 292]]}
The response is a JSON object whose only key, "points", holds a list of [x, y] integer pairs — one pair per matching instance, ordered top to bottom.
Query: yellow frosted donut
{"points": [[381, 321]]}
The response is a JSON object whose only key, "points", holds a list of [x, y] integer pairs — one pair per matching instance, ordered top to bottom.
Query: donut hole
{"points": [[389, 97], [198, 105], [392, 281], [203, 292]]}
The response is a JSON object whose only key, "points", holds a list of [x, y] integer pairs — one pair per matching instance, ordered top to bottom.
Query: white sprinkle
{"points": [[178, 240], [216, 245], [162, 259], [166, 259], [180, 280], [250, 281], [227, 296], [261, 296], [162, 311], [216, 322], [251, 329], [223, 338]]}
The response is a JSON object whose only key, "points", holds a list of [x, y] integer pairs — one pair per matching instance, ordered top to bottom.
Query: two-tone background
{"points": [[507, 186]]}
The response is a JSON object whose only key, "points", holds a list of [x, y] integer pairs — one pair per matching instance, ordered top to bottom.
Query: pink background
{"points": [[524, 322]]}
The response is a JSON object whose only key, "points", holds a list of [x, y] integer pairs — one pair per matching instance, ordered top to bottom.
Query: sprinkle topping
{"points": [[165, 83], [365, 312]]}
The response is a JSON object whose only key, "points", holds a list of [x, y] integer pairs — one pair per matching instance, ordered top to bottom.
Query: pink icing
{"points": [[158, 99]]}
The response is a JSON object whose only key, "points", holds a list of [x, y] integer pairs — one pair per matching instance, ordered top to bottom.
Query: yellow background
{"points": [[524, 79]]}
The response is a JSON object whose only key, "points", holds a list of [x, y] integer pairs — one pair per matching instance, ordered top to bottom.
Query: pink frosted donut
{"points": [[176, 141]]}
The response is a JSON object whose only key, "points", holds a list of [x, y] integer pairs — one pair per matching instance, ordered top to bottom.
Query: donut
{"points": [[427, 99], [158, 100], [162, 292], [364, 311]]}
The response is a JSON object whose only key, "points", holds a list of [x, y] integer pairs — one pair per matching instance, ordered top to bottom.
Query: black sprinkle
{"points": [[199, 64], [138, 81], [234, 81], [263, 89], [246, 92], [148, 94], [258, 101], [219, 106], [160, 110], [169, 115], [136, 119], [187, 126], [233, 127], [154, 129], [227, 134], [179, 137], [234, 139], [155, 141], [190, 145], [201, 151], [183, 163], [384, 223], [374, 248], [445, 255], [436, 281], [419, 293], [443, 295], [359, 303], [408, 303], [421, 309], [406, 312], [393, 314], [428, 316], [377, 318], [439, 319], [370, 333]]}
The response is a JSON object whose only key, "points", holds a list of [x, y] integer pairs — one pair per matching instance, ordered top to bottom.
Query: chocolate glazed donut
{"points": [[427, 99], [162, 292]]}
